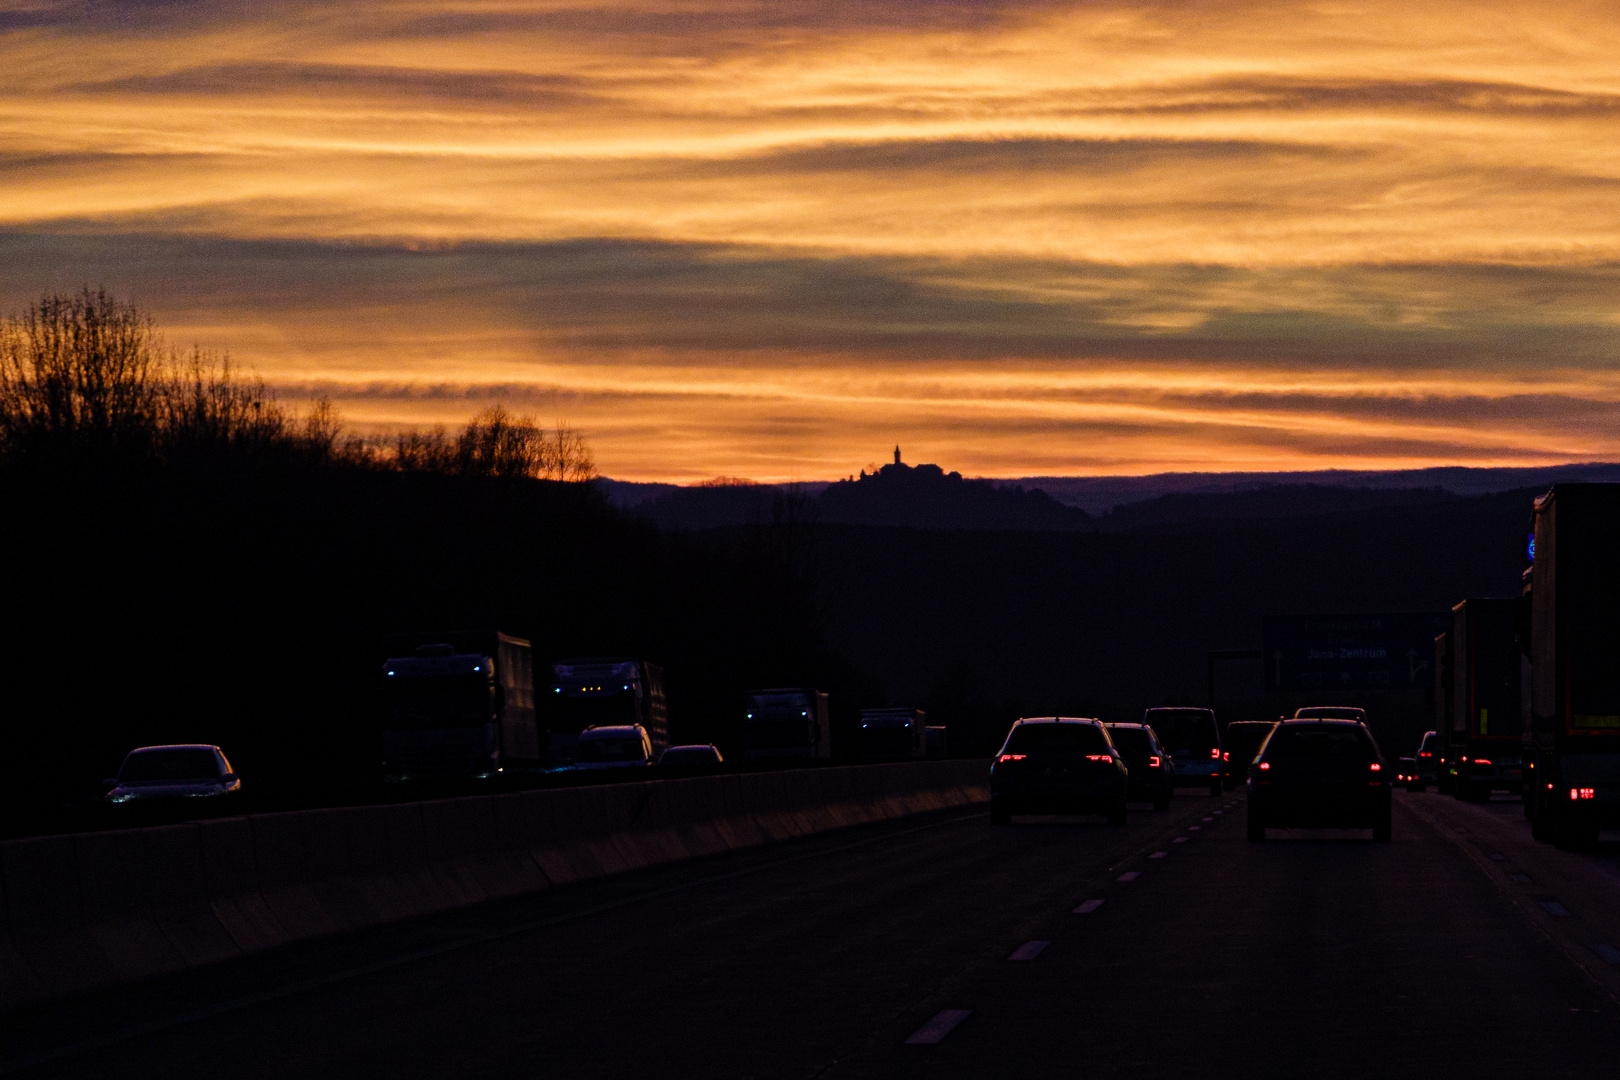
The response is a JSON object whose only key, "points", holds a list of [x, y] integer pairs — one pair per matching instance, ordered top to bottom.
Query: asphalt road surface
{"points": [[940, 947]]}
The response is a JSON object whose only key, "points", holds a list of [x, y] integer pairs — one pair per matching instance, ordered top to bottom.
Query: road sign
{"points": [[1351, 652]]}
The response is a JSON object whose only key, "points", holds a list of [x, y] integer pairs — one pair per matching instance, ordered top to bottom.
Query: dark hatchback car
{"points": [[1242, 742], [1428, 763], [1057, 765], [182, 771], [1319, 774], [1152, 776]]}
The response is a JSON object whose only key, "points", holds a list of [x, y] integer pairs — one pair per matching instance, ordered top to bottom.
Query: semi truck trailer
{"points": [[1573, 592], [600, 691], [459, 703], [787, 725], [1483, 738]]}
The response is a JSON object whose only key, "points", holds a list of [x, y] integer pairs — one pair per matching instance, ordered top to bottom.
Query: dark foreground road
{"points": [[1460, 949]]}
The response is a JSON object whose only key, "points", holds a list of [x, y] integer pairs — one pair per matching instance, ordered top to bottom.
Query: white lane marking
{"points": [[1218, 813], [1210, 818], [1195, 828], [1179, 840], [1157, 855], [1132, 875], [1088, 907], [1553, 907], [1029, 950], [1608, 952], [940, 1026]]}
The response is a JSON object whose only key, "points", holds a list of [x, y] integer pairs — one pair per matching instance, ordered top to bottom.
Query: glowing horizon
{"points": [[730, 238]]}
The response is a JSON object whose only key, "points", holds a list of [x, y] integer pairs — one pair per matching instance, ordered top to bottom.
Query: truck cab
{"points": [[787, 725], [893, 734]]}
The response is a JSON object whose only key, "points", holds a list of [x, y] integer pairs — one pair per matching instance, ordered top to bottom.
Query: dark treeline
{"points": [[187, 560]]}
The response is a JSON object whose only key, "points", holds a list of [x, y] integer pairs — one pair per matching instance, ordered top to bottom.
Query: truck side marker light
{"points": [[1003, 757]]}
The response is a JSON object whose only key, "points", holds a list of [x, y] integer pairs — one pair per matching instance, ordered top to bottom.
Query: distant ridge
{"points": [[925, 496]]}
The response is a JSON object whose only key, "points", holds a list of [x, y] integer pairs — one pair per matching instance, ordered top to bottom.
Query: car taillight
{"points": [[1215, 753], [1426, 754], [1011, 757], [1099, 757], [1226, 757], [1482, 761], [1153, 762], [1264, 765], [1375, 767], [1583, 793]]}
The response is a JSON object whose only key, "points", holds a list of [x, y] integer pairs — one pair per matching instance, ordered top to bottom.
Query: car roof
{"points": [[1058, 720], [1303, 721], [621, 730], [177, 746], [692, 746]]}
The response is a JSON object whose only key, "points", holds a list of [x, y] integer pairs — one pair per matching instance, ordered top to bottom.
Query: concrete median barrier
{"points": [[79, 912]]}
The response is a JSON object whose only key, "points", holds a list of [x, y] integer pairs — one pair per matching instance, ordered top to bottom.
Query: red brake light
{"points": [[1215, 753], [1426, 753], [1226, 756], [1011, 757], [1099, 757], [1482, 761], [1153, 762], [1264, 765], [1375, 767], [1583, 793]]}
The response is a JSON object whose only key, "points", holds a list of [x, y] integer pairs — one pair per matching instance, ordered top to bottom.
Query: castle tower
{"points": [[897, 453]]}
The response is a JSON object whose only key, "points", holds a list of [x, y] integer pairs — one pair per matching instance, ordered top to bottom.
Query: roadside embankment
{"points": [[87, 910]]}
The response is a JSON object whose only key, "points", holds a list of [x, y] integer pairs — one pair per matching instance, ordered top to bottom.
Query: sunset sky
{"points": [[773, 239]]}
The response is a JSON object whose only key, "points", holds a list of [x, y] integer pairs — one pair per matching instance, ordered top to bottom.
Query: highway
{"points": [[937, 946]]}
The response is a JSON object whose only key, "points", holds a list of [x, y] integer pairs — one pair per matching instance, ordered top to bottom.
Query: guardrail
{"points": [[92, 909]]}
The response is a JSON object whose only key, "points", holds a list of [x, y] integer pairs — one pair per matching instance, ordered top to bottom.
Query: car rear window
{"points": [[1329, 712], [1184, 733], [1040, 738], [1132, 741], [1321, 743], [609, 749], [179, 764]]}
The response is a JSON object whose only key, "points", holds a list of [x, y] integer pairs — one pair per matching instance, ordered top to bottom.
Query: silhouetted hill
{"points": [[928, 497], [1269, 502]]}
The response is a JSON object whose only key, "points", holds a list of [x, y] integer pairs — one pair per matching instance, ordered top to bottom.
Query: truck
{"points": [[1572, 592], [1444, 683], [597, 691], [458, 704], [787, 725], [1483, 732], [892, 734]]}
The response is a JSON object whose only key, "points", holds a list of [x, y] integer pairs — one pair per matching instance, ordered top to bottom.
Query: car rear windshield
{"points": [[1184, 733], [1046, 738], [1133, 742], [1327, 743], [599, 750], [186, 764]]}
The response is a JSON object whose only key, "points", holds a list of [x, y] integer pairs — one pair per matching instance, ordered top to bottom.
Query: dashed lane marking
{"points": [[1210, 818], [1195, 828], [1179, 840], [1158, 855], [1132, 875], [1522, 879], [1088, 907], [1553, 907], [1029, 950], [1608, 952], [940, 1026]]}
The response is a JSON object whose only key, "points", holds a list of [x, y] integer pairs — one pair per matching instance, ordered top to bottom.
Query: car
{"points": [[1242, 740], [1194, 741], [613, 746], [695, 757], [1428, 763], [1057, 765], [177, 771], [1406, 773], [1319, 774], [1152, 776]]}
